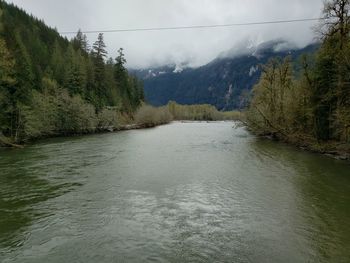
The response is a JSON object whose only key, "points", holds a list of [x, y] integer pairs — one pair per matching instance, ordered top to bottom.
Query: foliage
{"points": [[50, 85], [312, 104], [270, 109], [56, 112], [203, 112], [151, 116]]}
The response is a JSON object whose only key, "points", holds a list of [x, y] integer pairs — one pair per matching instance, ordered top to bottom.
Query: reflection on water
{"points": [[27, 179], [323, 191], [194, 192]]}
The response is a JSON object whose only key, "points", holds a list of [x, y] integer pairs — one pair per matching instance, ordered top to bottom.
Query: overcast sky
{"points": [[195, 47]]}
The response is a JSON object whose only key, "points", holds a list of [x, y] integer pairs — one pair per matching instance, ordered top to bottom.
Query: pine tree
{"points": [[80, 42], [99, 47], [99, 54], [57, 63], [7, 64], [24, 71], [76, 76], [90, 78], [121, 78], [332, 86], [7, 87], [323, 96], [113, 97]]}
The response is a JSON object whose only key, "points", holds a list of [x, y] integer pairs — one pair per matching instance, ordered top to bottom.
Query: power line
{"points": [[194, 27]]}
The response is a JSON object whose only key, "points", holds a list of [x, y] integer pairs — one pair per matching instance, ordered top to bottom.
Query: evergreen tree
{"points": [[80, 42], [99, 47], [99, 54], [57, 63], [7, 65], [24, 71], [76, 77], [121, 78], [332, 86], [7, 87], [89, 93], [113, 97], [323, 97]]}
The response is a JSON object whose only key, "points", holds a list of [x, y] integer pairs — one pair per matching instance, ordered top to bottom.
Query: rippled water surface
{"points": [[185, 192]]}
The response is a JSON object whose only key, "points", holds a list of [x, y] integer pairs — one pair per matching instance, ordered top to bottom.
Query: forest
{"points": [[53, 86], [309, 106]]}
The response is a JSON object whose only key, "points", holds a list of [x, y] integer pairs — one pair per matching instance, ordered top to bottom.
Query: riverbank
{"points": [[109, 120], [6, 143], [332, 149], [335, 150]]}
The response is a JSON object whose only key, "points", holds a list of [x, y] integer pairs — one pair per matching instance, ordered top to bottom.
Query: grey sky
{"points": [[195, 47]]}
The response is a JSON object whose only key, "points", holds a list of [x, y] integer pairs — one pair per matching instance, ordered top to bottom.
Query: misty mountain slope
{"points": [[223, 83]]}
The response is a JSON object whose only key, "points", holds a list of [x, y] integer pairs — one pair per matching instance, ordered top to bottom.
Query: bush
{"points": [[56, 112], [202, 112], [74, 115], [150, 116], [107, 119], [40, 120]]}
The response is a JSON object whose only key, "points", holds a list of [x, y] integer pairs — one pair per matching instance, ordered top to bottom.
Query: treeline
{"points": [[50, 85], [311, 104], [201, 112], [149, 116]]}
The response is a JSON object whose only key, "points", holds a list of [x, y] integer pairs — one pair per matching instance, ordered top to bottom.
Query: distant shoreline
{"points": [[5, 143]]}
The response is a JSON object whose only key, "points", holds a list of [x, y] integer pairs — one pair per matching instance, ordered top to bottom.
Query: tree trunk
{"points": [[6, 142]]}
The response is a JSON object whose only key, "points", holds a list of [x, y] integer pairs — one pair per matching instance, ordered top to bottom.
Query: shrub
{"points": [[150, 116]]}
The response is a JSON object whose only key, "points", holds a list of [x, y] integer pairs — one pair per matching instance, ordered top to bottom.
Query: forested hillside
{"points": [[224, 83], [50, 85], [313, 107]]}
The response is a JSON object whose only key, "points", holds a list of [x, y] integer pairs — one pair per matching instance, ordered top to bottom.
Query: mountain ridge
{"points": [[223, 82]]}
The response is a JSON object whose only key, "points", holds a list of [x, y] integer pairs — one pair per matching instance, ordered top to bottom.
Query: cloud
{"points": [[194, 47]]}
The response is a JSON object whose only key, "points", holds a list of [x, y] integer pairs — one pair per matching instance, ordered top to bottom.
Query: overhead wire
{"points": [[193, 26]]}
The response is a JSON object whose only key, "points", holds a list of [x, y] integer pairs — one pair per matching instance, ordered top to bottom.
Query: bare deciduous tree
{"points": [[336, 20]]}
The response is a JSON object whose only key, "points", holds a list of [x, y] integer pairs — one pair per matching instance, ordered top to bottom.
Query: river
{"points": [[184, 192]]}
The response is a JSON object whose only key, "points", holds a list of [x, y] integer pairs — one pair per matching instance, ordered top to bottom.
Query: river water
{"points": [[184, 192]]}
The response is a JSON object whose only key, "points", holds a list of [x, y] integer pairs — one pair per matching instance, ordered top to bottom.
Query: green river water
{"points": [[184, 192]]}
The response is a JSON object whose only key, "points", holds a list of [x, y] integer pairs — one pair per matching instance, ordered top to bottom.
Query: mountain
{"points": [[224, 82]]}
